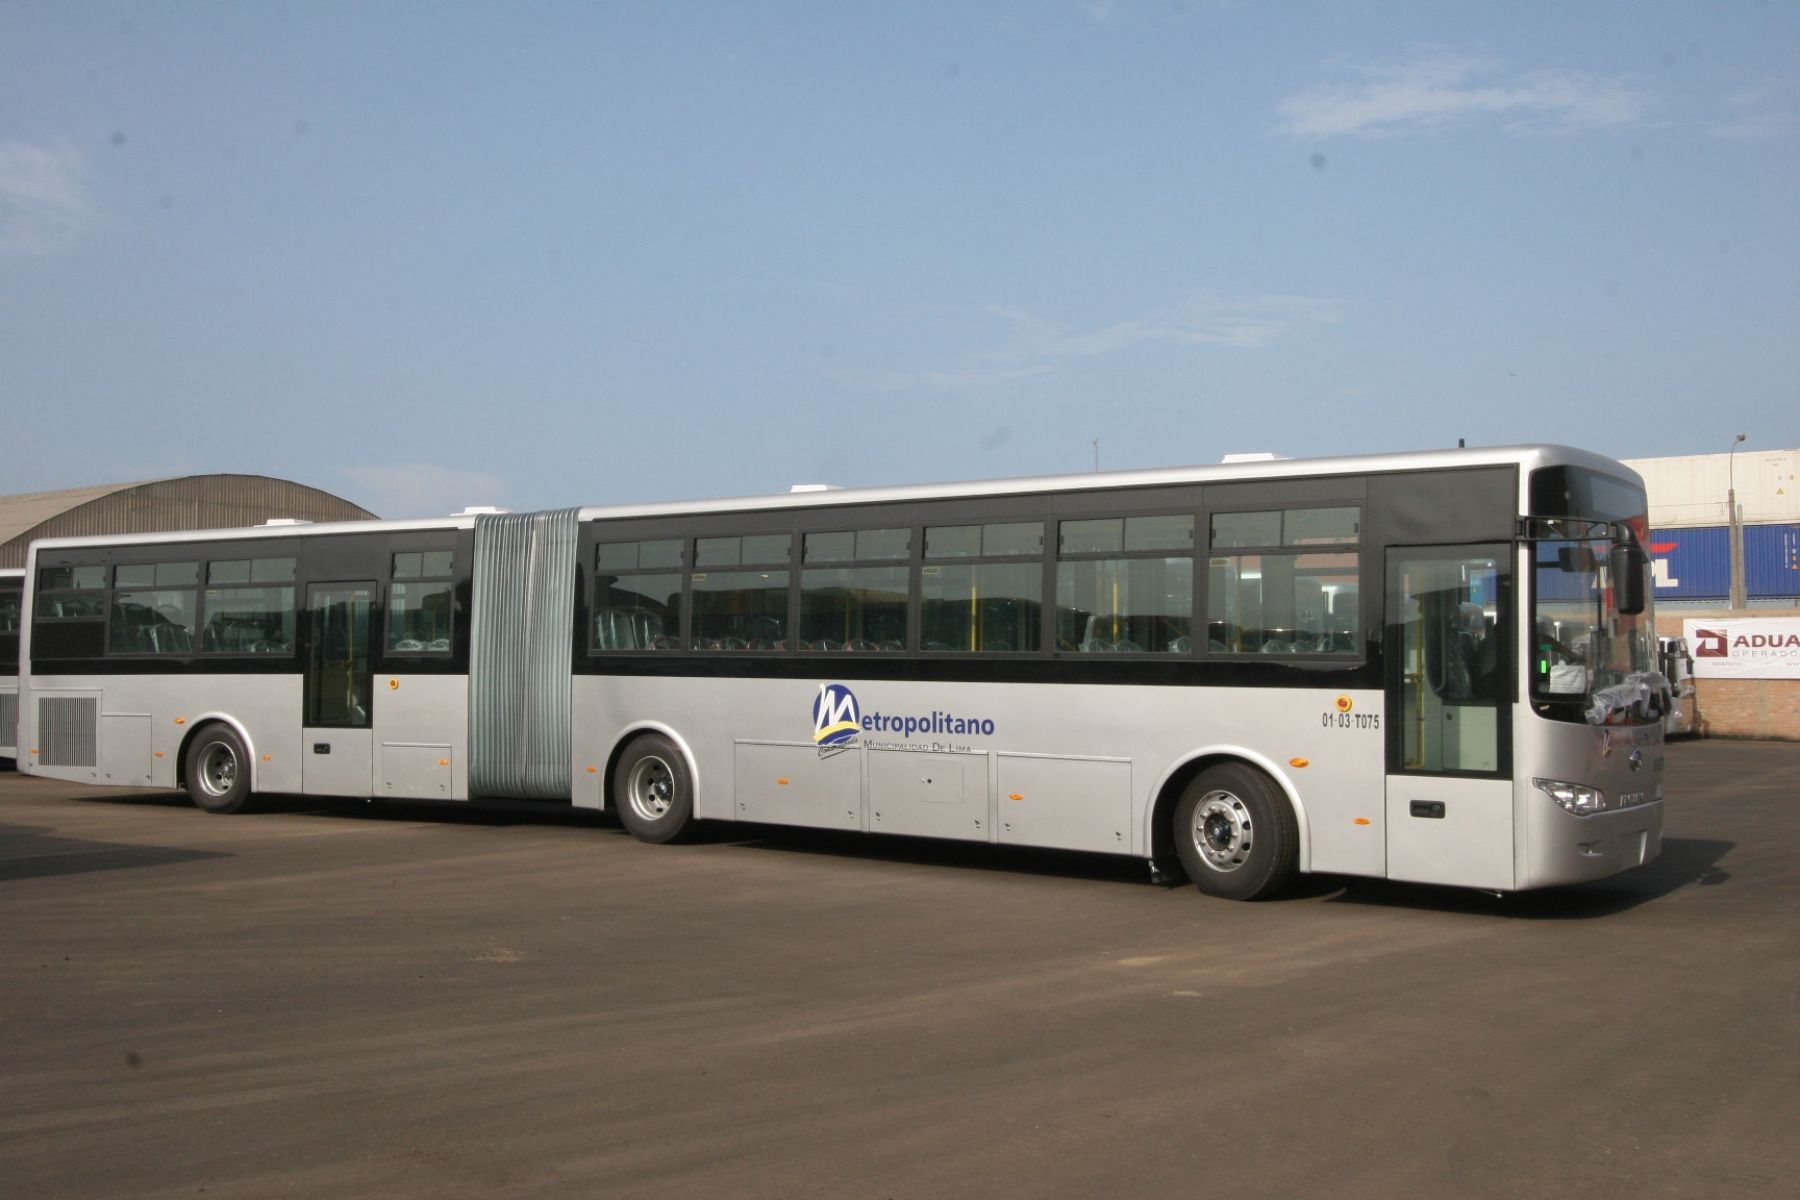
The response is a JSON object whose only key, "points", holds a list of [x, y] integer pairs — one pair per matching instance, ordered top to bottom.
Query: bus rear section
{"points": [[11, 606], [328, 661]]}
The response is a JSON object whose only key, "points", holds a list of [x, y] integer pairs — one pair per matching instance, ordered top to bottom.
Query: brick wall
{"points": [[1740, 708]]}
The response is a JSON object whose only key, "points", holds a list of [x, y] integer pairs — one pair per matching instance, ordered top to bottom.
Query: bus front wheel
{"points": [[218, 770], [651, 787], [1236, 834]]}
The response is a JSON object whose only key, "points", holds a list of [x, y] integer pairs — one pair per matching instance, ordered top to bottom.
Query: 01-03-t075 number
{"points": [[1349, 720]]}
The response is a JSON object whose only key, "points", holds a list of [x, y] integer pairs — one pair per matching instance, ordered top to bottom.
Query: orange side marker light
{"points": [[1299, 762], [1362, 820]]}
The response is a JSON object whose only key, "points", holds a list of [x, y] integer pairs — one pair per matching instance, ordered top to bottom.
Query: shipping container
{"points": [[1690, 491], [1771, 561], [1692, 564]]}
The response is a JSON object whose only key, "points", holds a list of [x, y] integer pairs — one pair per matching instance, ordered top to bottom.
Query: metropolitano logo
{"points": [[1713, 644], [837, 718]]}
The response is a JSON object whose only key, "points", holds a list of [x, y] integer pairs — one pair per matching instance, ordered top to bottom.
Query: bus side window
{"points": [[982, 587], [421, 601], [744, 608]]}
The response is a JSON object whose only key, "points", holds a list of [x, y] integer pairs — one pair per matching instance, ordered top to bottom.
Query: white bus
{"points": [[12, 583], [1435, 667]]}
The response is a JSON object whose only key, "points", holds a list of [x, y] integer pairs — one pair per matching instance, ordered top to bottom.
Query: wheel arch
{"points": [[196, 725], [632, 733], [1160, 836]]}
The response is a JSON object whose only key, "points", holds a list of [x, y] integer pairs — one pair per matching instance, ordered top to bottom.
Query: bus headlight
{"points": [[1582, 801]]}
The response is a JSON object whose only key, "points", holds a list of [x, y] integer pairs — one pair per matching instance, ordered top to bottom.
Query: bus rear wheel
{"points": [[218, 770], [653, 791], [1236, 834]]}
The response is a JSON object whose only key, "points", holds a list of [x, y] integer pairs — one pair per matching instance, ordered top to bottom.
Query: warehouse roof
{"points": [[162, 505]]}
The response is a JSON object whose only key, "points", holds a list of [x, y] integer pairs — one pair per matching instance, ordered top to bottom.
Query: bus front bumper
{"points": [[1566, 848]]}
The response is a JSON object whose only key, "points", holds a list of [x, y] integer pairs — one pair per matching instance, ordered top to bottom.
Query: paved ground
{"points": [[398, 1003]]}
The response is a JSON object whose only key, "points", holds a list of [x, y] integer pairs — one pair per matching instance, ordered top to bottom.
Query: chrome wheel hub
{"points": [[218, 769], [651, 789], [1222, 831]]}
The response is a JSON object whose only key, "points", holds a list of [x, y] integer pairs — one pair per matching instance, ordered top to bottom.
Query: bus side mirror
{"points": [[1626, 565]]}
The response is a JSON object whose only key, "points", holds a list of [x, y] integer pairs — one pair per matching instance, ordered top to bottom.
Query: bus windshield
{"points": [[1582, 643]]}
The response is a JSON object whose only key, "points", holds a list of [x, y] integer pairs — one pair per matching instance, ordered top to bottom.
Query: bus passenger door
{"points": [[1449, 737], [337, 744]]}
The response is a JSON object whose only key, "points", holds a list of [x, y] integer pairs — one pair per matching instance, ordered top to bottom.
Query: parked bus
{"points": [[12, 585], [1676, 663], [1433, 667]]}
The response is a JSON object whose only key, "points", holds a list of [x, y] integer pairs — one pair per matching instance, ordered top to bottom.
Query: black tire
{"points": [[218, 770], [653, 791], [1236, 833]]}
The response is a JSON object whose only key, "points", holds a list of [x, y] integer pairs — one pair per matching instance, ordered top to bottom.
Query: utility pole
{"points": [[1737, 526]]}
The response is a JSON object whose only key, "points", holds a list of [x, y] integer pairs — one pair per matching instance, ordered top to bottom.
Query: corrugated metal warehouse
{"points": [[163, 505]]}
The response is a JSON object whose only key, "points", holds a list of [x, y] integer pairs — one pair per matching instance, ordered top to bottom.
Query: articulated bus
{"points": [[12, 584], [1433, 667]]}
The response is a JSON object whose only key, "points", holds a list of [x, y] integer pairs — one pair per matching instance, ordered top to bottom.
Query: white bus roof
{"points": [[1526, 456]]}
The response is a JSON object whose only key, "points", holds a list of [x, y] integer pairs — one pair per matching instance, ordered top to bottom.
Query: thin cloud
{"points": [[1100, 12], [1433, 92], [1767, 111], [44, 204], [1200, 320], [1033, 346], [973, 379], [420, 489]]}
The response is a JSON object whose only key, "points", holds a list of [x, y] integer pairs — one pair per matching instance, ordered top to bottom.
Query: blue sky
{"points": [[426, 255]]}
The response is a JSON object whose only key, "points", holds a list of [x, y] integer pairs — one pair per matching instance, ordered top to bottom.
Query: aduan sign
{"points": [[1744, 648]]}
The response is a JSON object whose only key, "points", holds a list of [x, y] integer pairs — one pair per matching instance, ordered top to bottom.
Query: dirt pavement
{"points": [[345, 1001]]}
